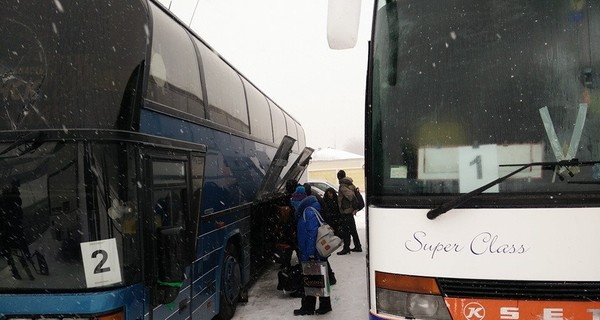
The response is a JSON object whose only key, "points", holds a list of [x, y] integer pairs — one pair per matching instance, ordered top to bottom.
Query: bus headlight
{"points": [[410, 297], [411, 305], [426, 306]]}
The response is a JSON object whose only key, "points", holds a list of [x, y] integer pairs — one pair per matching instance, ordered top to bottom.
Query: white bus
{"points": [[483, 159]]}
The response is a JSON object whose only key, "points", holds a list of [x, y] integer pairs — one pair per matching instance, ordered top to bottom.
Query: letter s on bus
{"points": [[410, 246], [509, 313]]}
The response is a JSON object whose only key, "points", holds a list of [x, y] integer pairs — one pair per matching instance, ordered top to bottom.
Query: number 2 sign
{"points": [[101, 263]]}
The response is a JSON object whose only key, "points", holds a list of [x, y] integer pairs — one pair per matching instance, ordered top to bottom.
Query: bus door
{"points": [[279, 162], [298, 168], [174, 181]]}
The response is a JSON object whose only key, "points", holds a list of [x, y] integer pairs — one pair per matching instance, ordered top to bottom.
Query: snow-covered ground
{"points": [[348, 296]]}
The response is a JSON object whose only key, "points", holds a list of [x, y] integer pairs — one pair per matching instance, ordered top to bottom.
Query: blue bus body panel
{"points": [[129, 298]]}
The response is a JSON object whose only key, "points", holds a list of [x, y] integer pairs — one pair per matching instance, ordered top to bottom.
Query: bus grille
{"points": [[520, 290]]}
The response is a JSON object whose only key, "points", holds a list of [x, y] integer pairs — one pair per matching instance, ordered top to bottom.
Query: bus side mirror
{"points": [[343, 18], [171, 264]]}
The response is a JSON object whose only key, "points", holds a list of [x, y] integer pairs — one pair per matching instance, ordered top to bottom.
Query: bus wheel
{"points": [[231, 283]]}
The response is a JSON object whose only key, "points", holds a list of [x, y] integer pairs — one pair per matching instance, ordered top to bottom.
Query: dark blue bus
{"points": [[140, 173]]}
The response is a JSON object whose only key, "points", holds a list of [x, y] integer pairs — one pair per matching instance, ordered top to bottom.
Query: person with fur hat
{"points": [[307, 208]]}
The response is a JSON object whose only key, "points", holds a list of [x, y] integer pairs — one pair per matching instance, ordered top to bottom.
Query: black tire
{"points": [[231, 283]]}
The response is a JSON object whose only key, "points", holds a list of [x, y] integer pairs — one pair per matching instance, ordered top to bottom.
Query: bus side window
{"points": [[174, 71], [225, 92], [260, 114], [278, 120], [291, 130], [301, 137]]}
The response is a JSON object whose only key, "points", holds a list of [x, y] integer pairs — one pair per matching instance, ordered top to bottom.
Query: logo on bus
{"points": [[523, 310], [474, 311]]}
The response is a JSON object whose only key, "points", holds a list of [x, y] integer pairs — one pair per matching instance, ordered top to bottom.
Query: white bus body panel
{"points": [[554, 244]]}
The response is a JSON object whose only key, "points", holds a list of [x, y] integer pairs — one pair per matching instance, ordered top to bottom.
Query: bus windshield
{"points": [[43, 81], [457, 98], [56, 234]]}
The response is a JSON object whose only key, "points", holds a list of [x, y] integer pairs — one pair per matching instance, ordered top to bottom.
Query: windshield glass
{"points": [[55, 75], [462, 87], [68, 217]]}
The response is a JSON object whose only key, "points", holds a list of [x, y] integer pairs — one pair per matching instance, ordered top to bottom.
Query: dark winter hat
{"points": [[341, 174], [290, 186], [308, 189]]}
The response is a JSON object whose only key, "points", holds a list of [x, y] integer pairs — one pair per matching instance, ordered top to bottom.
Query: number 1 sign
{"points": [[477, 166], [101, 263]]}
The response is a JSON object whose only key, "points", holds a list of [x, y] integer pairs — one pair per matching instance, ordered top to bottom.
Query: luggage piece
{"points": [[290, 279]]}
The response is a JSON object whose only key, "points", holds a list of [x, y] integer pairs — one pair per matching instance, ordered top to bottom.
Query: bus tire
{"points": [[231, 283]]}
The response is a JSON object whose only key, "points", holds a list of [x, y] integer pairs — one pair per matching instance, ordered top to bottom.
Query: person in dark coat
{"points": [[345, 199], [330, 210], [285, 226], [307, 226]]}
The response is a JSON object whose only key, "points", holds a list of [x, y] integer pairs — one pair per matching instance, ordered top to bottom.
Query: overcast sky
{"points": [[281, 46]]}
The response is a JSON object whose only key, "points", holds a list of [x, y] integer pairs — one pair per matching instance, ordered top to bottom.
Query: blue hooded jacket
{"points": [[308, 224]]}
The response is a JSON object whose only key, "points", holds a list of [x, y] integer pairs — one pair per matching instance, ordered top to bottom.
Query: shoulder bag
{"points": [[327, 241]]}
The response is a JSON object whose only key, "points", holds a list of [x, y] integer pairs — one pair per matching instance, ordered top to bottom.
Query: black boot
{"points": [[324, 305], [308, 306]]}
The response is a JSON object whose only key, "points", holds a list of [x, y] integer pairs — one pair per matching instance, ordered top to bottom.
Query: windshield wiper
{"points": [[33, 141], [445, 207]]}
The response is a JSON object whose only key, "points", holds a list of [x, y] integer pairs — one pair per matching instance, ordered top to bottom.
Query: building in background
{"points": [[325, 164]]}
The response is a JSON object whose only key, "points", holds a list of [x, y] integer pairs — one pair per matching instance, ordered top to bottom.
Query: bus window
{"points": [[88, 65], [174, 73], [225, 93], [260, 116], [279, 130], [291, 130], [301, 137], [166, 172], [168, 178]]}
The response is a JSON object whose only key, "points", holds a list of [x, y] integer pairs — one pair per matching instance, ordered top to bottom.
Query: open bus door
{"points": [[279, 162], [298, 168], [174, 186]]}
